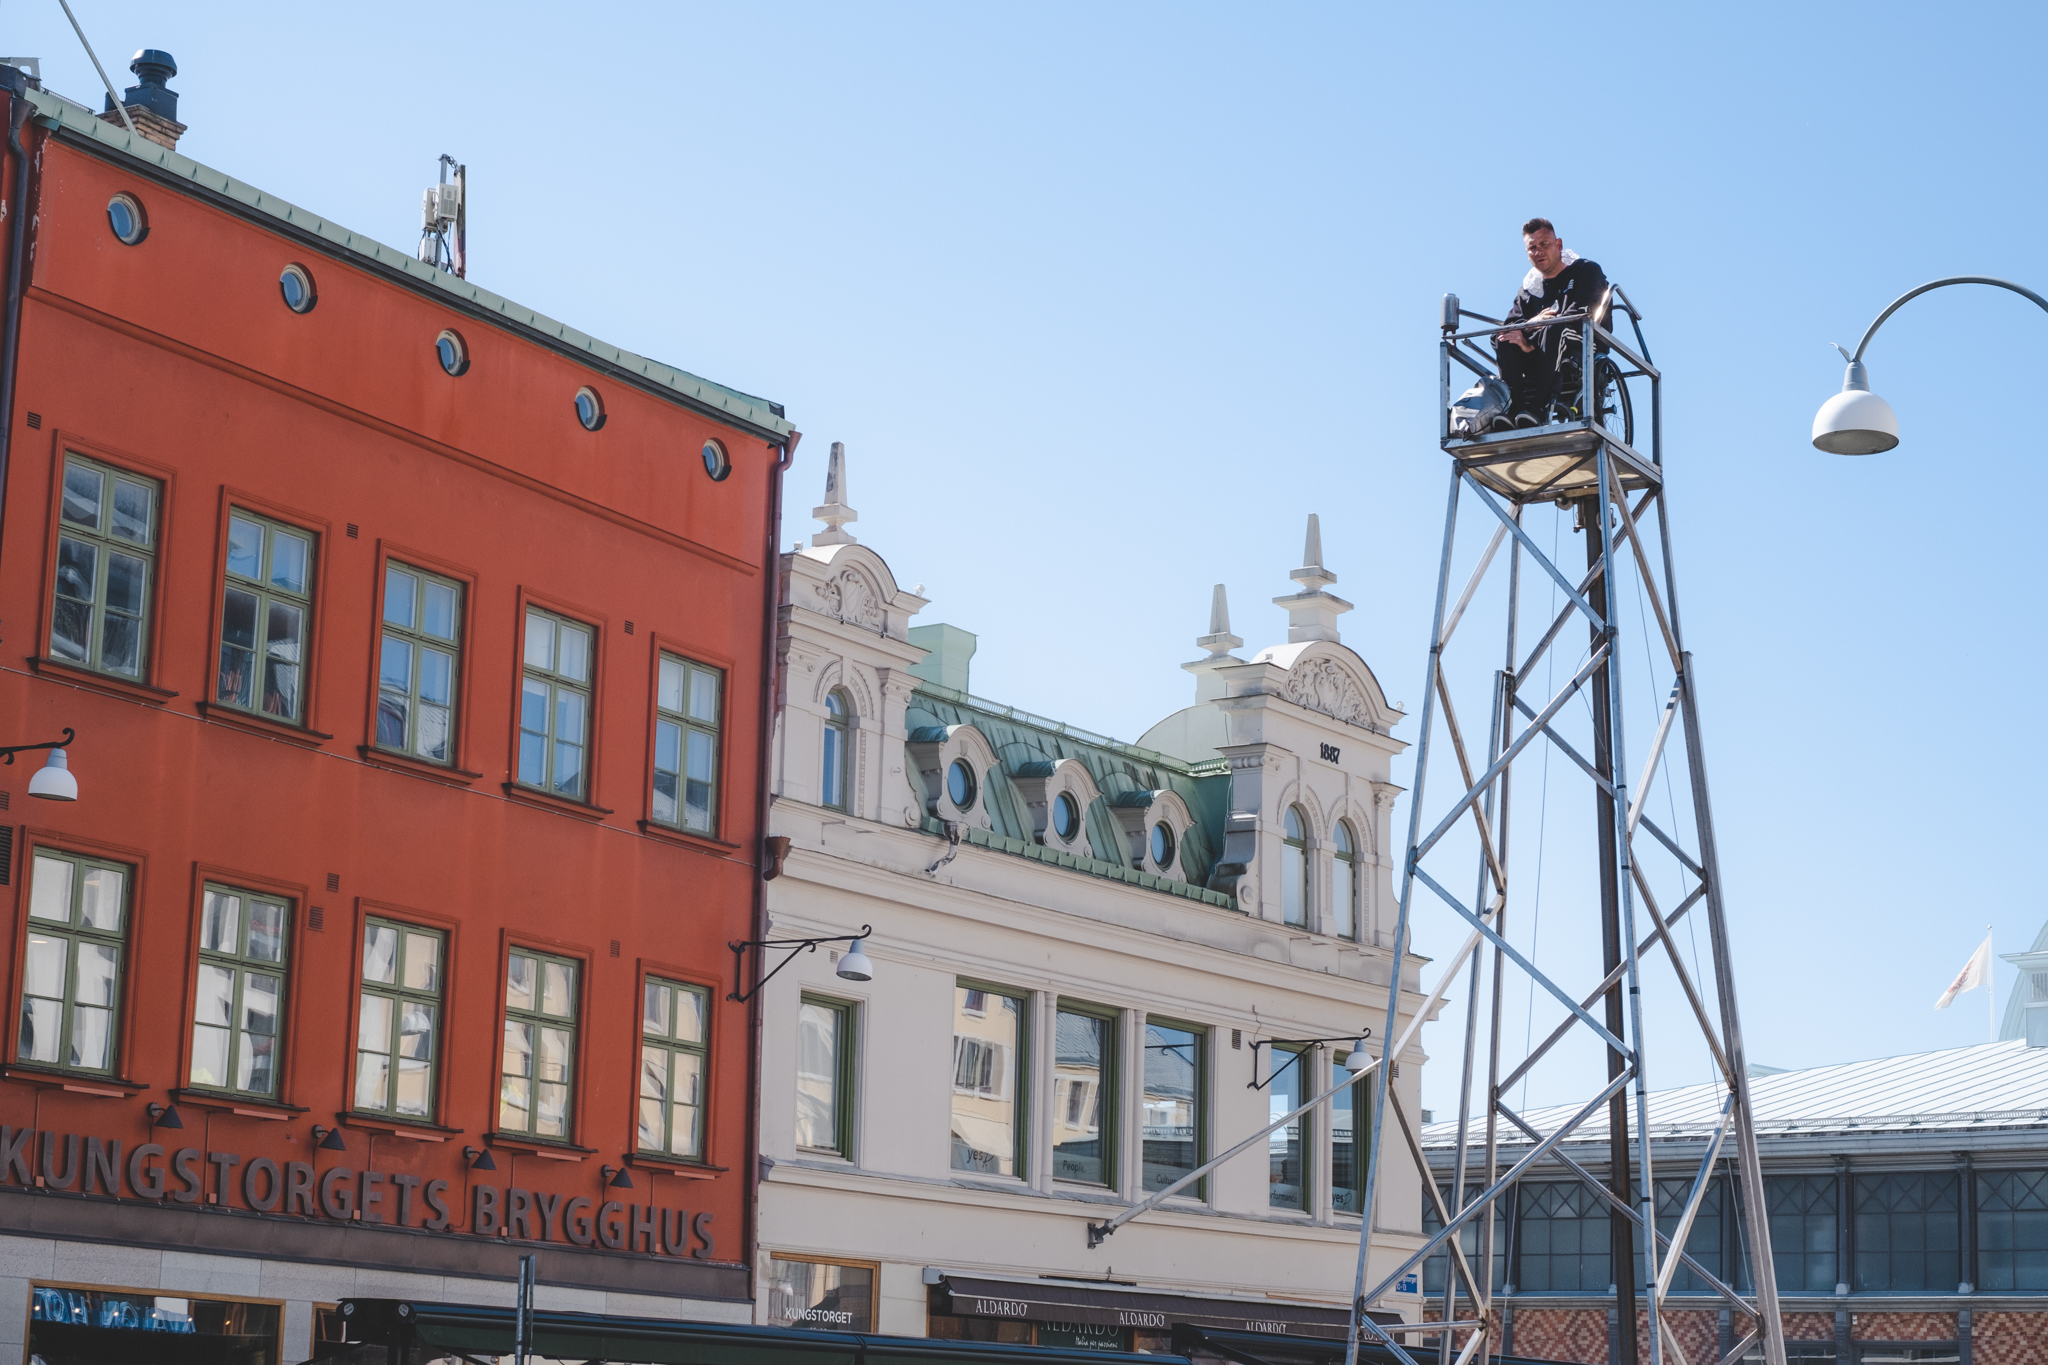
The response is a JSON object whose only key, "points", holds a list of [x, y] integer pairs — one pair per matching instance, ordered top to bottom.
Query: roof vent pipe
{"points": [[152, 105]]}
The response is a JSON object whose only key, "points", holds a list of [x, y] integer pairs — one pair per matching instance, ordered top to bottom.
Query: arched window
{"points": [[838, 733], [1294, 868], [1344, 900]]}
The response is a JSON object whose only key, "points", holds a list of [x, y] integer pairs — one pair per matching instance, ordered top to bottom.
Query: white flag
{"points": [[1976, 972]]}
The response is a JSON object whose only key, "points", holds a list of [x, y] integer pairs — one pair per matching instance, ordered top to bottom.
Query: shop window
{"points": [[826, 1296], [107, 1324]]}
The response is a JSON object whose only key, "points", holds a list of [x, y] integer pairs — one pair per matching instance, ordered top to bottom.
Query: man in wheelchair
{"points": [[1541, 364]]}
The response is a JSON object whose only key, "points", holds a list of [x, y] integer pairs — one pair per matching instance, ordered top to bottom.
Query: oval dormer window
{"points": [[125, 217], [295, 282], [453, 355], [589, 409], [960, 784], [1066, 816], [1162, 844]]}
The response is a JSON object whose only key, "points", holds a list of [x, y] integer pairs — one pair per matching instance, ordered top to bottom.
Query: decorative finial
{"points": [[835, 513], [1312, 613], [1219, 641]]}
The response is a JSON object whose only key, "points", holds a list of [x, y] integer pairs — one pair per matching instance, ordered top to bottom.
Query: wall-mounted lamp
{"points": [[53, 781], [853, 966], [1355, 1063], [165, 1116], [328, 1139], [479, 1159], [616, 1177]]}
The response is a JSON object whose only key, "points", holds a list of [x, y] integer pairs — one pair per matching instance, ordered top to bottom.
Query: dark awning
{"points": [[1111, 1305], [475, 1330], [1258, 1348]]}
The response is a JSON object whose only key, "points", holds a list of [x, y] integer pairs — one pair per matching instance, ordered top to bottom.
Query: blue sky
{"points": [[1104, 299]]}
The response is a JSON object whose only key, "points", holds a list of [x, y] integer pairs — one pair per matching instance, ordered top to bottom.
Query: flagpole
{"points": [[1990, 995]]}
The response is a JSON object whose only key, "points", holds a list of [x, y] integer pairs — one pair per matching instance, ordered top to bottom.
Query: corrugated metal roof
{"points": [[59, 112], [1988, 1087]]}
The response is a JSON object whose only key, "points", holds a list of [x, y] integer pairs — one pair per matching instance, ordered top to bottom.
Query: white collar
{"points": [[1532, 283]]}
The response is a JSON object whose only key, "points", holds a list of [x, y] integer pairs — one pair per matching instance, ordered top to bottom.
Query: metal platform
{"points": [[1555, 463]]}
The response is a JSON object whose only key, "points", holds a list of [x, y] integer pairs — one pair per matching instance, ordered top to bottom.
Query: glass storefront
{"points": [[824, 1296], [74, 1326]]}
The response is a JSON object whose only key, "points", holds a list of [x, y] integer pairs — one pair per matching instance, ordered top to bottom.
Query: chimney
{"points": [[152, 106]]}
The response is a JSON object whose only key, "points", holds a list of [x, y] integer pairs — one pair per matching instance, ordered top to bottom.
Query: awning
{"points": [[1112, 1305], [470, 1329], [1257, 1348]]}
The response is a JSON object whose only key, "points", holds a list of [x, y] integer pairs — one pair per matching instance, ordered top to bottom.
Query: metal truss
{"points": [[1583, 463]]}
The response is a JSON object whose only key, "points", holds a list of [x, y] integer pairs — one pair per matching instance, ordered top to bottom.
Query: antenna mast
{"points": [[444, 220]]}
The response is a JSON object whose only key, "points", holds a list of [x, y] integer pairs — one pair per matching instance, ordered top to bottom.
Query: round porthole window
{"points": [[125, 217], [296, 284], [454, 356], [589, 409], [715, 462], [960, 784], [1066, 815], [1162, 845]]}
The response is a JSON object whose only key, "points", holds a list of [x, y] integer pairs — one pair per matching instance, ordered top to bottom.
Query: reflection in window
{"points": [[106, 566], [266, 602], [416, 667], [554, 705], [838, 728], [686, 744], [1294, 867], [1344, 891], [71, 972], [673, 1020], [236, 1022], [398, 1029], [540, 1045], [1084, 1047], [986, 1063], [823, 1104], [1350, 1121], [1171, 1131], [1286, 1147], [2012, 1231], [1908, 1235], [820, 1296]]}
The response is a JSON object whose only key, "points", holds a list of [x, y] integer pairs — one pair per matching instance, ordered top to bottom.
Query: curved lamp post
{"points": [[1858, 422]]}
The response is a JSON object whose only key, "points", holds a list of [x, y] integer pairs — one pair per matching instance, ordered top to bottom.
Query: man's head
{"points": [[1546, 252]]}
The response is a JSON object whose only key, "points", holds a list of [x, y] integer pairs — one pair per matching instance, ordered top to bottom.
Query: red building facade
{"points": [[414, 646]]}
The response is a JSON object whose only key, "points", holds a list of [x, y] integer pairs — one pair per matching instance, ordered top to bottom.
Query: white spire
{"points": [[835, 513], [1312, 613], [1219, 641]]}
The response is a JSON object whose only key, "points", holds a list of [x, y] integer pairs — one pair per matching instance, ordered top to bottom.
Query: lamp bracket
{"points": [[11, 750], [795, 946], [1256, 1084]]}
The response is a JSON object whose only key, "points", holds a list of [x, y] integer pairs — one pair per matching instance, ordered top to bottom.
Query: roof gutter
{"points": [[18, 112]]}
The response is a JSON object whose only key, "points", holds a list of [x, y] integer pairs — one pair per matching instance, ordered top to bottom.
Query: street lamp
{"points": [[1858, 422], [53, 781]]}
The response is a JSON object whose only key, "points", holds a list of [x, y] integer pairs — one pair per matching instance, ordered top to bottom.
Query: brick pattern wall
{"points": [[1435, 1313], [1809, 1326], [1902, 1326], [1578, 1334], [1699, 1335], [2008, 1338]]}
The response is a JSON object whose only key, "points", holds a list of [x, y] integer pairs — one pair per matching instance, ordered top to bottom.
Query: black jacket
{"points": [[1578, 286]]}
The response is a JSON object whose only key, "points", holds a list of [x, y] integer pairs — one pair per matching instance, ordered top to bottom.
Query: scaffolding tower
{"points": [[1583, 463]]}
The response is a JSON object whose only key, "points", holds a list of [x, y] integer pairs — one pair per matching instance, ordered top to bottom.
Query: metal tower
{"points": [[1522, 484]]}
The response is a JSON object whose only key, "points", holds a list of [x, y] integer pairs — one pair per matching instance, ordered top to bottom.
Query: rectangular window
{"points": [[106, 568], [268, 597], [418, 664], [554, 705], [686, 745], [71, 977], [239, 1018], [674, 1019], [397, 1036], [540, 1045], [988, 1064], [824, 1076], [1084, 1098], [1350, 1127], [1171, 1132], [1287, 1148], [1802, 1215], [2012, 1231], [1908, 1232], [1566, 1242], [1703, 1243], [1436, 1271], [822, 1296], [113, 1322]]}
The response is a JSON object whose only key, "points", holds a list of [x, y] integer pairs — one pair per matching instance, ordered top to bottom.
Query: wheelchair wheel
{"points": [[1610, 393]]}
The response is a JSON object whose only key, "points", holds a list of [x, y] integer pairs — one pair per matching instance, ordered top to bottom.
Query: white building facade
{"points": [[1095, 966]]}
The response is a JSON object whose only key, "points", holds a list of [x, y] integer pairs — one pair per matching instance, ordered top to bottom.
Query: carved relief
{"points": [[851, 598], [1323, 685]]}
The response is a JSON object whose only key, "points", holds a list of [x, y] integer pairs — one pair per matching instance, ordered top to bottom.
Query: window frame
{"points": [[272, 519], [105, 542], [427, 568], [564, 613], [666, 651], [147, 685], [846, 727], [1342, 831], [79, 853], [1294, 857], [208, 883], [404, 921], [543, 955], [655, 976], [1205, 1047], [1303, 1069], [846, 1074], [1022, 1079], [1109, 1092], [1359, 1098], [837, 1263]]}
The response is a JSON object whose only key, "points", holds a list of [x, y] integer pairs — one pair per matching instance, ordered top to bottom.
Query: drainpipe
{"points": [[17, 250], [771, 605]]}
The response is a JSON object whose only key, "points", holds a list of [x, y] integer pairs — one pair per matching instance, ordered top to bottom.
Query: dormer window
{"points": [[838, 723], [960, 784], [1066, 816], [1163, 844], [1294, 867], [1344, 898]]}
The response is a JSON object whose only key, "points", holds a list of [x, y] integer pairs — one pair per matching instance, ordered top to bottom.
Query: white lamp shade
{"points": [[1855, 422], [53, 781], [855, 965], [1359, 1059]]}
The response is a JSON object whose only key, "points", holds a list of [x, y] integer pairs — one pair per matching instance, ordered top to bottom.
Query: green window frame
{"points": [[106, 568], [266, 614], [419, 663], [554, 705], [686, 725], [838, 749], [1294, 864], [1344, 882], [72, 972], [238, 1018], [398, 1028], [675, 1030], [825, 1075], [991, 1080], [1290, 1082], [536, 1084], [1176, 1085], [1085, 1097], [1350, 1139]]}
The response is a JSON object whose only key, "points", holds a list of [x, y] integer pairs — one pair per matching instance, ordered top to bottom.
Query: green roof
{"points": [[56, 112]]}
